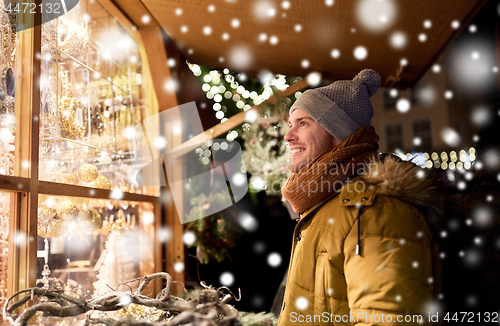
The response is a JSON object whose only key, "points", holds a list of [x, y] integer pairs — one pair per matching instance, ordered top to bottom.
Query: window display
{"points": [[92, 85], [7, 92], [92, 96], [5, 211], [92, 243]]}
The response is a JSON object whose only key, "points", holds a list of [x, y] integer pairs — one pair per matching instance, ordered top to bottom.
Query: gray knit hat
{"points": [[343, 106]]}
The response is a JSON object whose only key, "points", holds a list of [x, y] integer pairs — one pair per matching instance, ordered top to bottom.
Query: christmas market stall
{"points": [[141, 144]]}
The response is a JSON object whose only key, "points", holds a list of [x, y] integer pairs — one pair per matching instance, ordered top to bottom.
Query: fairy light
{"points": [[243, 99], [451, 160]]}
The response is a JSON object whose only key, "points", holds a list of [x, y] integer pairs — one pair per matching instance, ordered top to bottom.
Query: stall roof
{"points": [[198, 30]]}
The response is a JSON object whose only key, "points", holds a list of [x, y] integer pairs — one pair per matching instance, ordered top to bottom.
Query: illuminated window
{"points": [[422, 129], [394, 137]]}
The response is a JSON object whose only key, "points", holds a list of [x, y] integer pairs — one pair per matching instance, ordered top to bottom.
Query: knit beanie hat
{"points": [[343, 106]]}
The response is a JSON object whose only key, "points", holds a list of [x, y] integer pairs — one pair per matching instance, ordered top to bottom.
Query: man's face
{"points": [[306, 139]]}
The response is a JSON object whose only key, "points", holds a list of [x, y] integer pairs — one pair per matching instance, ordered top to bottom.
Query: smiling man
{"points": [[314, 139], [363, 250]]}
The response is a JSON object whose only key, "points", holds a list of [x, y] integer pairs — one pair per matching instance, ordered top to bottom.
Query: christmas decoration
{"points": [[73, 39], [7, 104], [69, 125], [7, 139], [265, 152], [88, 172], [101, 182], [67, 210], [69, 218], [47, 221], [215, 234], [4, 243], [116, 264], [206, 306], [142, 313]]}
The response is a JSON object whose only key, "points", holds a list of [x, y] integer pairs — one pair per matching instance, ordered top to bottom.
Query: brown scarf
{"points": [[322, 177]]}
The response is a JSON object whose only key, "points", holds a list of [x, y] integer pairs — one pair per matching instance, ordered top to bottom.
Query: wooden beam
{"points": [[122, 19], [160, 72], [232, 122], [27, 142], [10, 183], [58, 189], [14, 256]]}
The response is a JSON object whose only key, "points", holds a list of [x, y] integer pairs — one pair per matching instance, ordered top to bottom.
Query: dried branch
{"points": [[205, 309]]}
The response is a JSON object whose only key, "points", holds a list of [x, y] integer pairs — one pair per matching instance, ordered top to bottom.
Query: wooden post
{"points": [[23, 241]]}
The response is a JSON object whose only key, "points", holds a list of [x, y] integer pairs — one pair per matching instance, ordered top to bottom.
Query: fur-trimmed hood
{"points": [[426, 189]]}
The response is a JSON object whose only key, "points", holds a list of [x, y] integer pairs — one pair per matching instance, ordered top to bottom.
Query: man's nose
{"points": [[290, 136]]}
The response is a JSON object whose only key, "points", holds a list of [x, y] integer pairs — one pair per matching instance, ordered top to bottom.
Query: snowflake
{"points": [[46, 218], [274, 259], [226, 279], [301, 303]]}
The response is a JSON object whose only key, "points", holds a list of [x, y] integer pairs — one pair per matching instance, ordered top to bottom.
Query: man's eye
{"points": [[302, 123]]}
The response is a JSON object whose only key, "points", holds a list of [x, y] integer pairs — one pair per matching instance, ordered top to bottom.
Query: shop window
{"points": [[8, 38], [92, 94], [92, 97], [394, 137], [92, 243]]}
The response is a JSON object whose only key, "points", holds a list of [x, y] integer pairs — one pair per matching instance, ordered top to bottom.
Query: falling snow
{"points": [[376, 15], [398, 40], [360, 53], [403, 105], [248, 222], [189, 238], [274, 259], [226, 279], [301, 303]]}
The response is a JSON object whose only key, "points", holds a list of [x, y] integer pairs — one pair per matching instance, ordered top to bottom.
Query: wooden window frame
{"points": [[26, 186]]}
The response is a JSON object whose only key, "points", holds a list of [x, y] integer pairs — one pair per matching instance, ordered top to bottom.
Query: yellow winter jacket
{"points": [[396, 277]]}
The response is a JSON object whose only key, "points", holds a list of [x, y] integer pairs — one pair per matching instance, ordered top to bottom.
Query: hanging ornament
{"points": [[10, 82], [68, 127], [88, 172], [101, 182], [67, 210], [46, 218], [96, 218], [119, 224], [55, 231]]}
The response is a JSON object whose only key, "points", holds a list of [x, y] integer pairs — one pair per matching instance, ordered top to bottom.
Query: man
{"points": [[363, 250]]}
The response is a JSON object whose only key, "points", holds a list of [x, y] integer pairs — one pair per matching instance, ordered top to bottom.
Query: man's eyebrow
{"points": [[299, 119]]}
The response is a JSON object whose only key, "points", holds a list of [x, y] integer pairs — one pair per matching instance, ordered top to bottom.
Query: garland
{"points": [[265, 152]]}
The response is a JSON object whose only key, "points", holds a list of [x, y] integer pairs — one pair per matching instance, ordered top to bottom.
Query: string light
{"points": [[244, 101]]}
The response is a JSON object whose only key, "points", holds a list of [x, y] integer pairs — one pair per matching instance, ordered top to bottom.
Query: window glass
{"points": [[7, 90], [92, 97], [422, 130], [394, 136], [5, 211], [90, 244]]}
